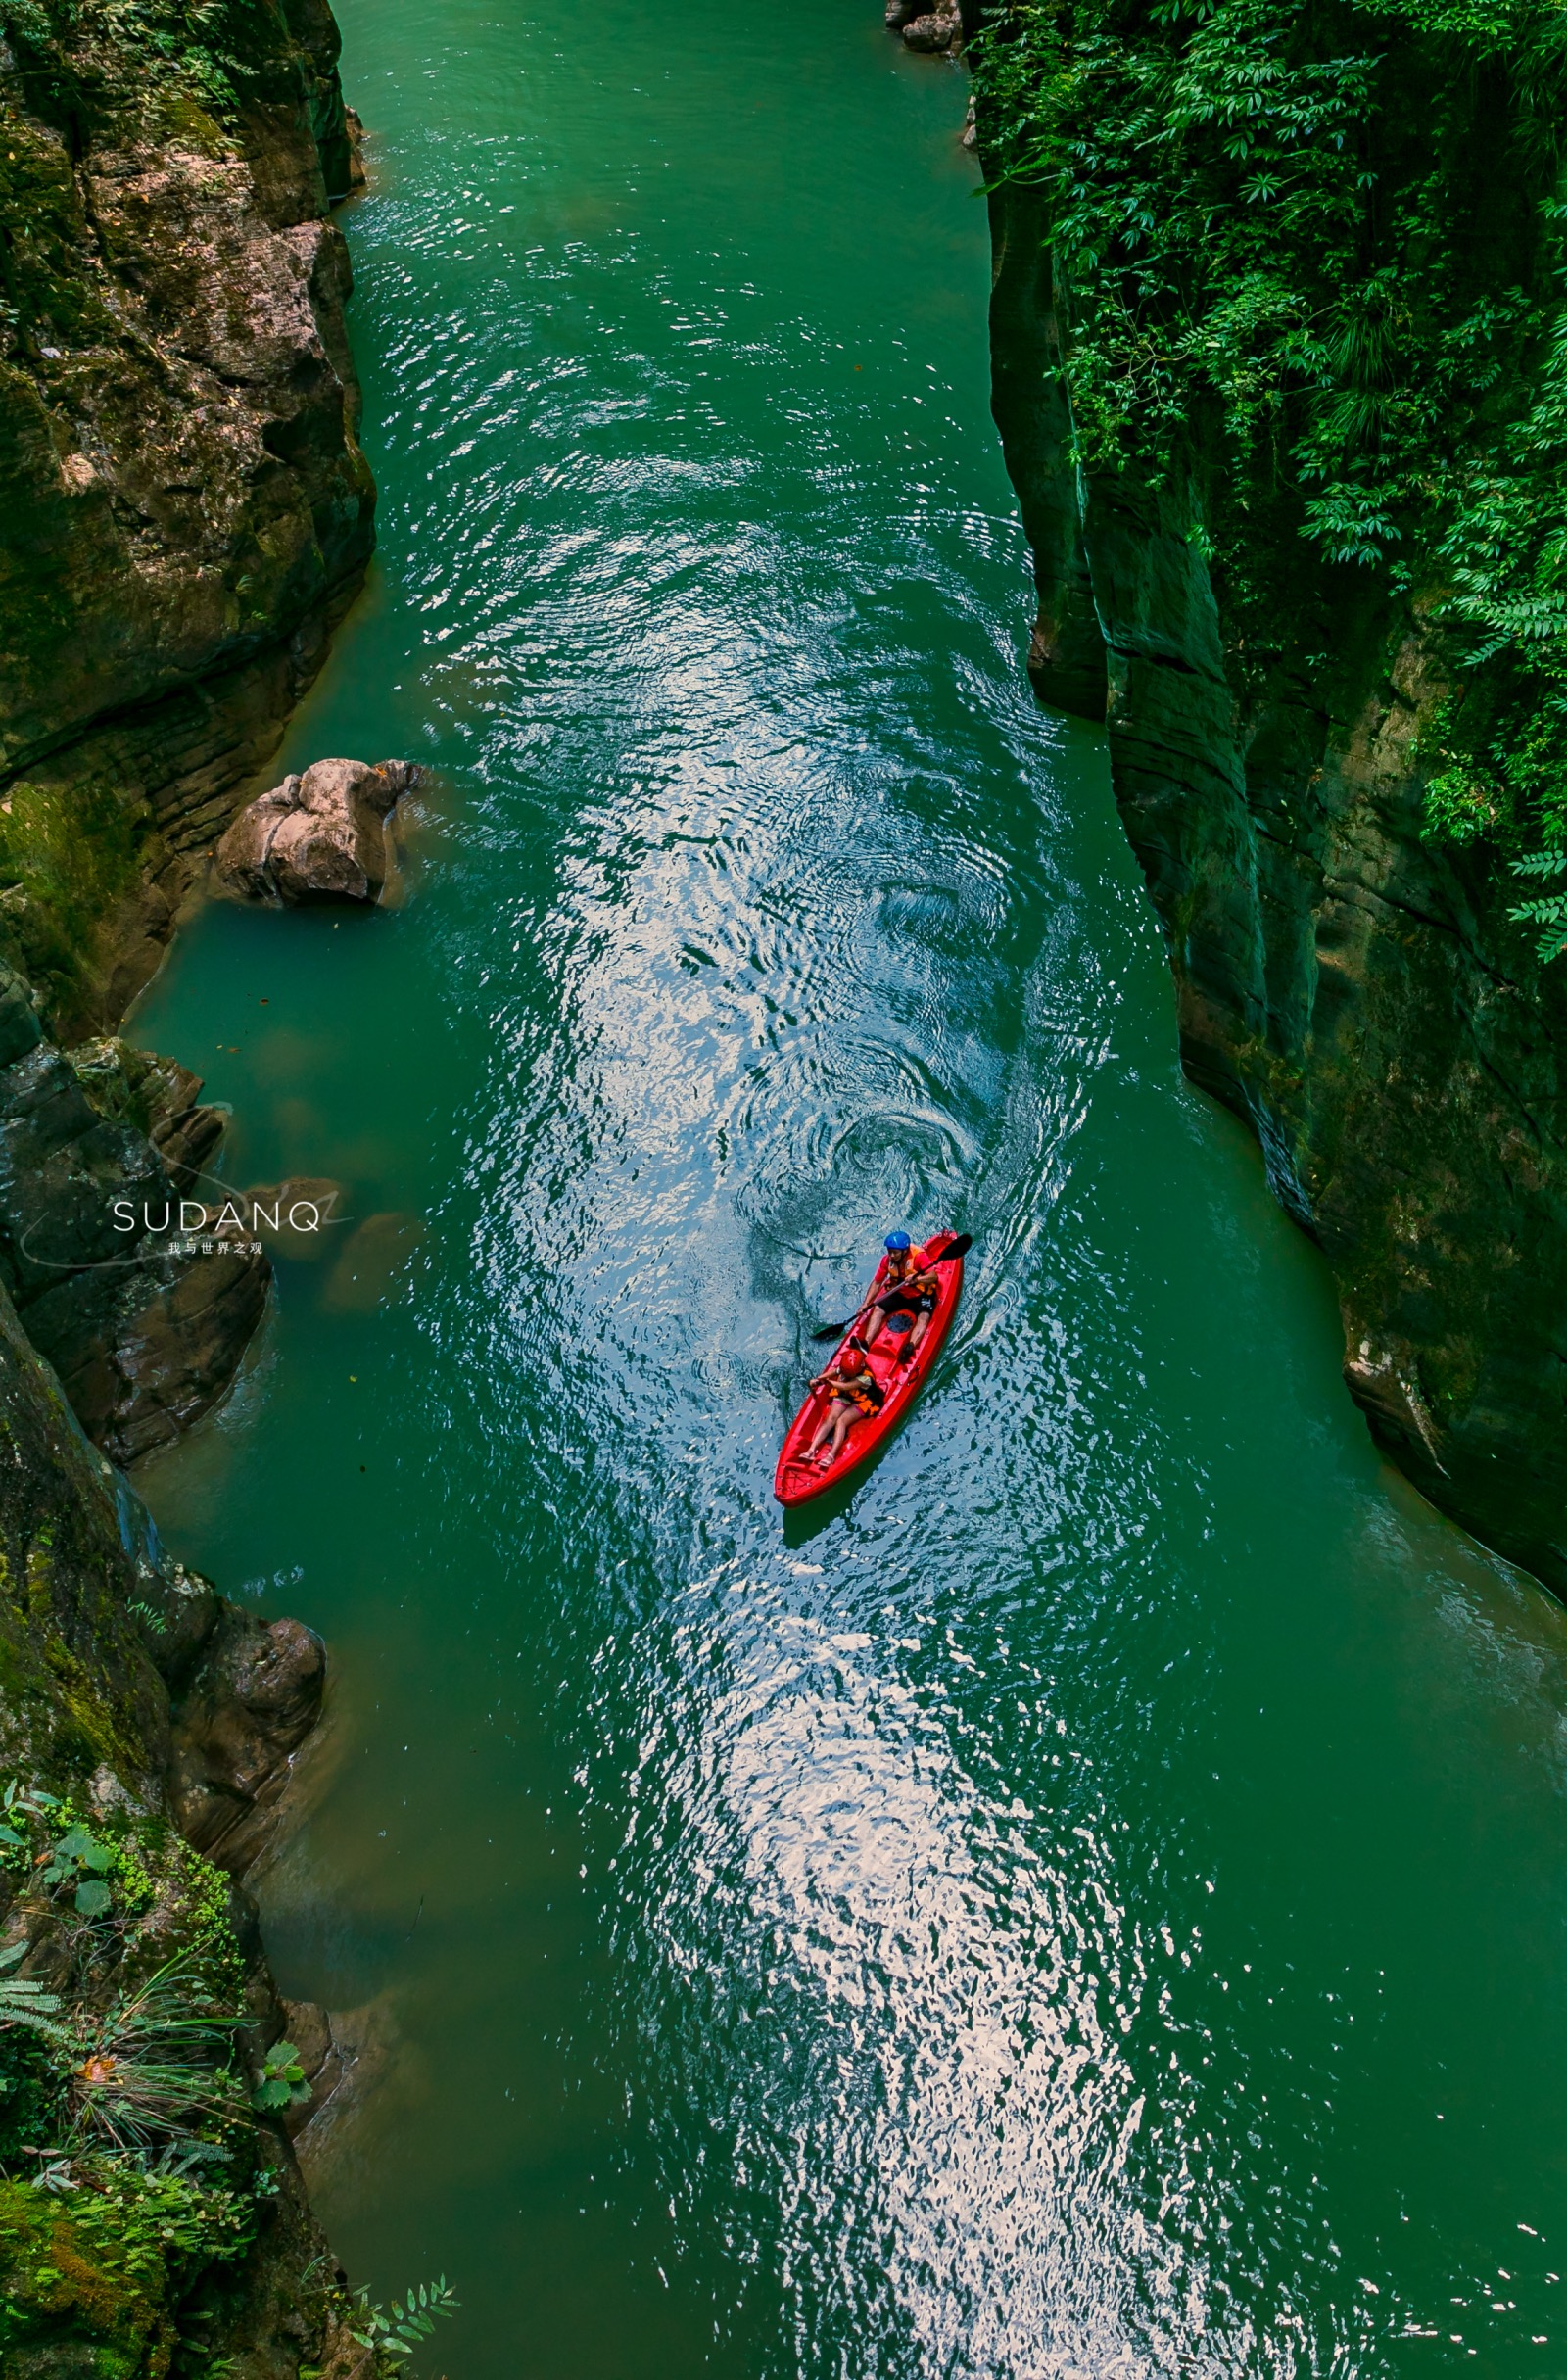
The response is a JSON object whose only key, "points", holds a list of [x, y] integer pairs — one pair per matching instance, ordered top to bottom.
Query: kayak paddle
{"points": [[957, 1246]]}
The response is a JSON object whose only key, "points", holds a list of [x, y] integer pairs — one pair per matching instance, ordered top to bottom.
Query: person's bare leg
{"points": [[842, 1419]]}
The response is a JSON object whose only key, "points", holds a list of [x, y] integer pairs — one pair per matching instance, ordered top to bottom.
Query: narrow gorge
{"points": [[1084, 1895]]}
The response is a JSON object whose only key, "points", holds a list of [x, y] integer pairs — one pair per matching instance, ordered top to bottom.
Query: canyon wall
{"points": [[183, 502], [184, 511], [1347, 981], [149, 1724]]}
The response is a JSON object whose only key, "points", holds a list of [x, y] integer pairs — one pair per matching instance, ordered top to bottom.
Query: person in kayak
{"points": [[908, 1299], [852, 1390]]}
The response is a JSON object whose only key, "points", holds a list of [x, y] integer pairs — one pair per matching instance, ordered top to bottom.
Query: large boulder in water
{"points": [[941, 29], [318, 836]]}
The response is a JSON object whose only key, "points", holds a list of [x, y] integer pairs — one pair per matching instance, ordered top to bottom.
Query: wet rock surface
{"points": [[924, 27], [933, 29], [184, 513], [317, 837], [153, 1095], [144, 1328], [251, 1697]]}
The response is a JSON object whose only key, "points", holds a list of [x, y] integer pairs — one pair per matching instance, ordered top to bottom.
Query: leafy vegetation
{"points": [[1309, 263], [78, 1859], [28, 2004], [30, 2035], [157, 2066], [282, 2083], [120, 2093], [130, 2165], [107, 2248], [397, 2330]]}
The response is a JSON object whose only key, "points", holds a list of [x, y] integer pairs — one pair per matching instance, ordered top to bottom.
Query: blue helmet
{"points": [[897, 1242]]}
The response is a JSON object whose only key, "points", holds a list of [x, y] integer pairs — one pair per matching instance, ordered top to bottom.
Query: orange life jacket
{"points": [[863, 1390]]}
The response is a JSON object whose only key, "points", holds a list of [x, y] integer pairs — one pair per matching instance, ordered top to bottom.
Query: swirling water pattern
{"points": [[1088, 1903]]}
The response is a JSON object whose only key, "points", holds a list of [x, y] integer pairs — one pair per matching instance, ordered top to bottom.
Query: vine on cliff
{"points": [[1326, 241]]}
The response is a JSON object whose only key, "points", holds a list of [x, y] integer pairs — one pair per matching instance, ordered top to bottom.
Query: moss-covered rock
{"points": [[182, 496], [184, 509], [129, 1696], [103, 2267]]}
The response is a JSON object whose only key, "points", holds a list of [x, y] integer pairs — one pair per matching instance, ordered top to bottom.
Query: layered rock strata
{"points": [[1348, 985]]}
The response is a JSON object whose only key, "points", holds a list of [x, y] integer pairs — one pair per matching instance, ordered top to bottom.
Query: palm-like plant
{"points": [[26, 2004], [153, 2068]]}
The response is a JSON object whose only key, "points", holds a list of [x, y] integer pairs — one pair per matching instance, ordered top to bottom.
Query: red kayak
{"points": [[798, 1480]]}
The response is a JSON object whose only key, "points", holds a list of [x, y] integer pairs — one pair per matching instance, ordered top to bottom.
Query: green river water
{"points": [[1091, 1903]]}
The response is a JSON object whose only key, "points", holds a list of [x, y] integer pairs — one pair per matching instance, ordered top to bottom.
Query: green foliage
{"points": [[25, 20], [190, 41], [1309, 259], [1550, 912], [20, 1807], [78, 1859], [134, 1883], [204, 1893], [28, 2004], [31, 2036], [156, 2066], [283, 2081], [122, 2100], [112, 2256], [397, 2330]]}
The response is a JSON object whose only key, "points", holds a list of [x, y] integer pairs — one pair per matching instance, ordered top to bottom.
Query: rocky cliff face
{"points": [[183, 502], [183, 511], [1349, 982], [144, 1325], [145, 2222]]}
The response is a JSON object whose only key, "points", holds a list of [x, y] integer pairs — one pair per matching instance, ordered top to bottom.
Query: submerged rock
{"points": [[317, 837], [293, 1216], [371, 1261], [254, 1697]]}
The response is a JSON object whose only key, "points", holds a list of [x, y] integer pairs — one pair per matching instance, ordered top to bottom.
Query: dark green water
{"points": [[1094, 1905]]}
